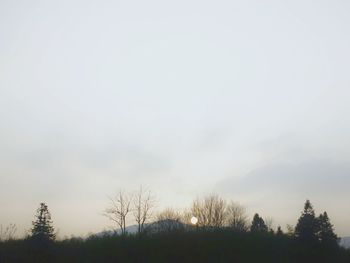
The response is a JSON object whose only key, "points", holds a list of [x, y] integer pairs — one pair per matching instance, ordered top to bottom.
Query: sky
{"points": [[246, 99]]}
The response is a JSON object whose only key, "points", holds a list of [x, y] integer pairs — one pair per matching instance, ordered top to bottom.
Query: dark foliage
{"points": [[258, 225], [307, 227], [43, 230], [314, 230], [279, 231], [326, 233], [172, 241], [198, 245]]}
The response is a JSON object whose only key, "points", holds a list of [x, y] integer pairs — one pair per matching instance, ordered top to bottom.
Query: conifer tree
{"points": [[258, 224], [42, 226], [307, 227], [279, 231], [326, 231]]}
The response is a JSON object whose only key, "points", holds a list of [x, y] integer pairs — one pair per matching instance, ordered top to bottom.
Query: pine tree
{"points": [[258, 224], [42, 226], [307, 226], [279, 231], [326, 231]]}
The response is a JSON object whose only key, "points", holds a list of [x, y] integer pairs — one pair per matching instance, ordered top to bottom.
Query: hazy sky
{"points": [[247, 99]]}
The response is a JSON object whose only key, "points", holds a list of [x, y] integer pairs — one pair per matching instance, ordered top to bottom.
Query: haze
{"points": [[247, 99]]}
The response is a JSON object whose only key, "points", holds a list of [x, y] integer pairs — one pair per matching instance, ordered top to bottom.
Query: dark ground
{"points": [[193, 246]]}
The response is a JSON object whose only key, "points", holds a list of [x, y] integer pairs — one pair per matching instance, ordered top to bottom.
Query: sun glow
{"points": [[194, 220]]}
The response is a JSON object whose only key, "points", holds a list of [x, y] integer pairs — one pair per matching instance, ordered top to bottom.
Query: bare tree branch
{"points": [[144, 202], [119, 209], [210, 211], [236, 217], [8, 232]]}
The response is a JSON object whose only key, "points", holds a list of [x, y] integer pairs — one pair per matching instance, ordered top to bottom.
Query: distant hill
{"points": [[159, 226], [129, 229], [345, 242]]}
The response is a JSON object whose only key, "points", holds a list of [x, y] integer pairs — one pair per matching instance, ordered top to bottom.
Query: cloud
{"points": [[316, 178]]}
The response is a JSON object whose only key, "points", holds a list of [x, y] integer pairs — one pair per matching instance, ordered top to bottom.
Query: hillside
{"points": [[345, 242]]}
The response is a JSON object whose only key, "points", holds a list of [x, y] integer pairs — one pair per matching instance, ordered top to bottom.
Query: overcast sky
{"points": [[247, 99]]}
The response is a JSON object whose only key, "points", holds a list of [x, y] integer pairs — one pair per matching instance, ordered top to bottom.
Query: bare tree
{"points": [[144, 203], [119, 209], [210, 211], [219, 211], [169, 213], [236, 217], [167, 221], [270, 224], [8, 232]]}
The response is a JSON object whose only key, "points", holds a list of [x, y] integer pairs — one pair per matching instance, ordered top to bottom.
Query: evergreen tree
{"points": [[258, 224], [42, 226], [307, 227], [279, 231], [326, 232]]}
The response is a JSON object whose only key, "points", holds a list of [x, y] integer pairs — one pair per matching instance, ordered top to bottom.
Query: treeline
{"points": [[210, 230]]}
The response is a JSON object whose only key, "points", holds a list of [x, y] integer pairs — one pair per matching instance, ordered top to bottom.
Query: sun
{"points": [[194, 220]]}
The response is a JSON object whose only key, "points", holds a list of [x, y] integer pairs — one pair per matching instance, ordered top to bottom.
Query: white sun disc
{"points": [[194, 220]]}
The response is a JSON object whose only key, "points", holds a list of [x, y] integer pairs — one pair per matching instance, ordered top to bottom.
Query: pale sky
{"points": [[246, 99]]}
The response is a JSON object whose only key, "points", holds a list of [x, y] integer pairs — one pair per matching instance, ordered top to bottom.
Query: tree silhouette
{"points": [[144, 203], [119, 209], [210, 211], [236, 217], [167, 221], [258, 224], [42, 226], [307, 227], [279, 231], [8, 232], [326, 232], [171, 238]]}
